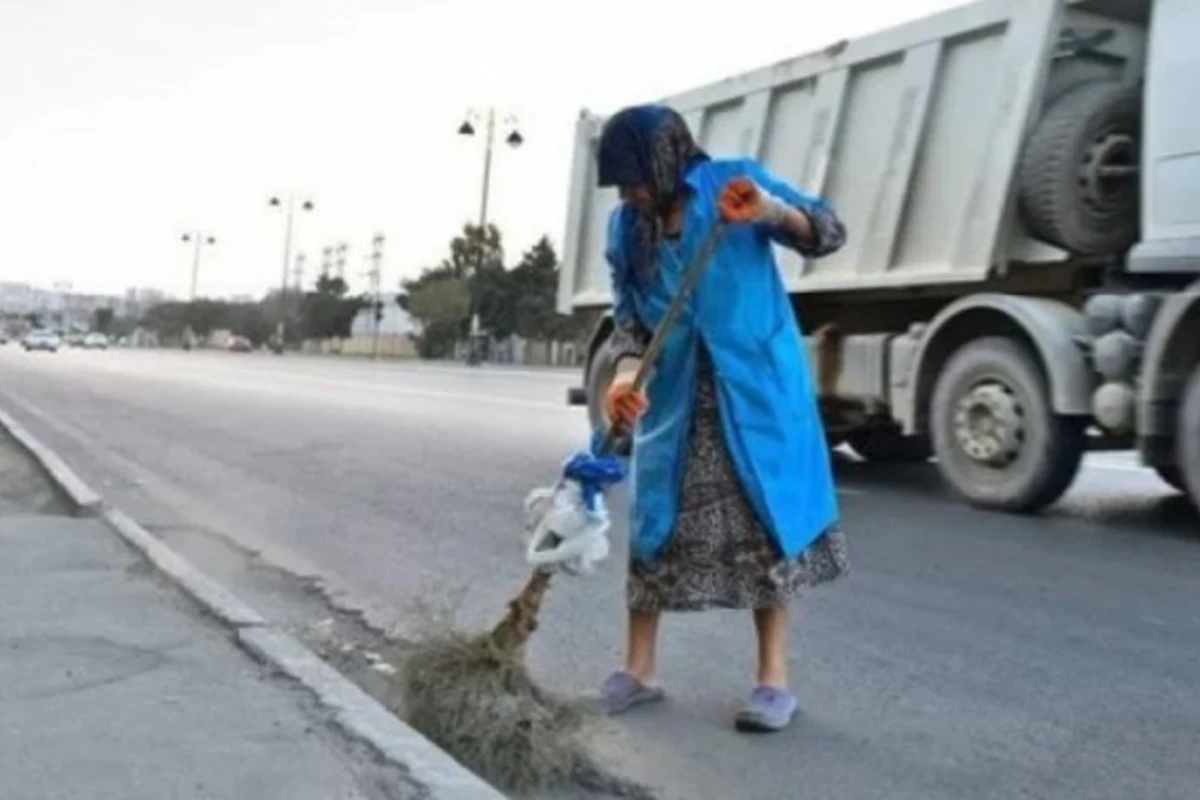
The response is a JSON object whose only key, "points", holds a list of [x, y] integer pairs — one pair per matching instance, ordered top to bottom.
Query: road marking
{"points": [[236, 361], [551, 373], [238, 379], [434, 394], [201, 513]]}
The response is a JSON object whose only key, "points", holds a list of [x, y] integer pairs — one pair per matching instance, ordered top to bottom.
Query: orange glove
{"points": [[743, 201], [624, 404]]}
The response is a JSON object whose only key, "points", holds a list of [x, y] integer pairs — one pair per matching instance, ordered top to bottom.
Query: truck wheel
{"points": [[1077, 180], [601, 371], [1187, 437], [998, 442], [889, 447]]}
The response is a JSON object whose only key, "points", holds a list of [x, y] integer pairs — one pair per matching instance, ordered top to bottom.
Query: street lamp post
{"points": [[514, 139], [307, 205], [199, 239], [298, 273]]}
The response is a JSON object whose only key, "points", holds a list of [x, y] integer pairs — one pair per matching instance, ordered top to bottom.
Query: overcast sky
{"points": [[125, 123]]}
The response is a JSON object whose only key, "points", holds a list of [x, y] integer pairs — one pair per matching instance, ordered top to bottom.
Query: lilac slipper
{"points": [[621, 692], [769, 709]]}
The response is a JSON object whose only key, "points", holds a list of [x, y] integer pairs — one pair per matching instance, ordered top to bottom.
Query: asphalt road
{"points": [[969, 655]]}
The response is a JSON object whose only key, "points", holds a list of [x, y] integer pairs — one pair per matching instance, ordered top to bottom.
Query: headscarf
{"points": [[648, 146]]}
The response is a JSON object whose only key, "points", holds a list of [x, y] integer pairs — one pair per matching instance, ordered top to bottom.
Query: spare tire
{"points": [[1077, 183]]}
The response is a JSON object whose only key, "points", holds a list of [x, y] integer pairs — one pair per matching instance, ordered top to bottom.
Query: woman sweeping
{"points": [[733, 502]]}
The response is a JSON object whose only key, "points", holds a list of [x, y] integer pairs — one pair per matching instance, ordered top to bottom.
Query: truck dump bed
{"points": [[913, 133]]}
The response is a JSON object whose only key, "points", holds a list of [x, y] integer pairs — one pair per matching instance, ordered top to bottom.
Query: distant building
{"points": [[17, 298], [139, 300], [65, 309], [395, 322]]}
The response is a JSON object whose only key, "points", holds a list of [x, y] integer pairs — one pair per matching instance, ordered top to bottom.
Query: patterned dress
{"points": [[719, 554]]}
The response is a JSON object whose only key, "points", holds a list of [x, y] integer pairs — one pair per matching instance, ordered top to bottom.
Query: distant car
{"points": [[47, 341], [95, 341], [239, 344]]}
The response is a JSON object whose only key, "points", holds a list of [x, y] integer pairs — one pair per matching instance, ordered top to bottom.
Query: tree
{"points": [[474, 250], [477, 256], [470, 279], [533, 287], [440, 300], [521, 300], [495, 301], [326, 312], [205, 316], [167, 319], [102, 320], [170, 320], [250, 320], [121, 326]]}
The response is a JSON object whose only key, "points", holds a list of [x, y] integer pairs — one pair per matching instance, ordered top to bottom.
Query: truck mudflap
{"points": [[1168, 355]]}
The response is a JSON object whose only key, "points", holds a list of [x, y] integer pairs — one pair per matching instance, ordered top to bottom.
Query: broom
{"points": [[471, 694]]}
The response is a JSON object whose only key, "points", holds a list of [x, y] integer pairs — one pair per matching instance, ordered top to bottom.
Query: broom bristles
{"points": [[472, 695]]}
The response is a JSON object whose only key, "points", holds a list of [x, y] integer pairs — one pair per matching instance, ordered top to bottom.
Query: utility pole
{"points": [[341, 259], [326, 261], [298, 273], [376, 275]]}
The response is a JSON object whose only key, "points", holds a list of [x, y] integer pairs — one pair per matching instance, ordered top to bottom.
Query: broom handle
{"points": [[690, 279], [514, 630]]}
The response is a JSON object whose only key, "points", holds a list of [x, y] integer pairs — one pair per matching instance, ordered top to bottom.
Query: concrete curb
{"points": [[214, 597], [354, 711], [359, 716]]}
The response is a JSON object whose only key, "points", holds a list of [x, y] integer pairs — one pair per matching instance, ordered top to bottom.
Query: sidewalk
{"points": [[124, 672], [111, 686]]}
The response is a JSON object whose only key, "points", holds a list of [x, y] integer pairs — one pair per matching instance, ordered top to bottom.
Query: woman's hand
{"points": [[744, 201], [624, 404]]}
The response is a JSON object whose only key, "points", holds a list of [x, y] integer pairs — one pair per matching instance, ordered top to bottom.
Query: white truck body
{"points": [[912, 133], [951, 147]]}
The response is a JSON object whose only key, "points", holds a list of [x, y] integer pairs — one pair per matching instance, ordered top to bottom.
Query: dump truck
{"points": [[1020, 181]]}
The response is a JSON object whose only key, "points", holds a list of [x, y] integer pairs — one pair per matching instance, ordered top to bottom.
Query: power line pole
{"points": [[326, 261], [340, 263], [376, 275]]}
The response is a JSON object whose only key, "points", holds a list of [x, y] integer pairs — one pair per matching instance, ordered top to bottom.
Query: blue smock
{"points": [[741, 312]]}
